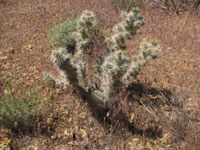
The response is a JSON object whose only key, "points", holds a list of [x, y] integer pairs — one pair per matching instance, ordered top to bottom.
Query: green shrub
{"points": [[198, 2], [62, 34], [21, 112]]}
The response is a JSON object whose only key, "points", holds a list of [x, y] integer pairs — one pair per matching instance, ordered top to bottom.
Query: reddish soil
{"points": [[24, 55]]}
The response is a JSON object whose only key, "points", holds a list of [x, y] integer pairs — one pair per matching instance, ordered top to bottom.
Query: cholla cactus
{"points": [[131, 22], [86, 24], [148, 51], [113, 68], [73, 69], [119, 70], [67, 71], [113, 71]]}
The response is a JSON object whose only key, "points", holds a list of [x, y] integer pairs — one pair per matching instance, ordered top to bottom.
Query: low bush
{"points": [[125, 5], [177, 6], [62, 34], [21, 112]]}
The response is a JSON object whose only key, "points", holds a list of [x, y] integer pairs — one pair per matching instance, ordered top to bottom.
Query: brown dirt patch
{"points": [[24, 55]]}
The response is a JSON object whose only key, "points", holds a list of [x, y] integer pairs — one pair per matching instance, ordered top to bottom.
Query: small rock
{"points": [[30, 47], [10, 50], [3, 58], [33, 68], [24, 74], [6, 91], [59, 91], [167, 108], [83, 115], [132, 116], [49, 120], [70, 120], [68, 132], [83, 133], [69, 135], [53, 137], [134, 141], [101, 142], [63, 147], [108, 147], [133, 147]]}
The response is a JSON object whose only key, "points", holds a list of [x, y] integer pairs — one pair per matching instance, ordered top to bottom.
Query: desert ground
{"points": [[69, 122]]}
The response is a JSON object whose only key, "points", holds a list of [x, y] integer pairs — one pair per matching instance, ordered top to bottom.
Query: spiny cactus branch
{"points": [[86, 24], [124, 30], [148, 51], [61, 59], [114, 70]]}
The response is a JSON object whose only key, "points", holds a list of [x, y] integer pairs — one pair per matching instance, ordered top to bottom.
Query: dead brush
{"points": [[177, 6], [166, 112]]}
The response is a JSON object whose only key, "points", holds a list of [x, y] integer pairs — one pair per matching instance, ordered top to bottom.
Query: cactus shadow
{"points": [[146, 95], [115, 115]]}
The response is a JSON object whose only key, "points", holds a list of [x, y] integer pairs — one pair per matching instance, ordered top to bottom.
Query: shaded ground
{"points": [[24, 55]]}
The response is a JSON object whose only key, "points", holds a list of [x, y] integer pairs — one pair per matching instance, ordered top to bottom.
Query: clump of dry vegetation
{"points": [[177, 6], [22, 111]]}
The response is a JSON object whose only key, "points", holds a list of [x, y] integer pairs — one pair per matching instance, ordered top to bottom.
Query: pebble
{"points": [[30, 47], [10, 50], [3, 58], [167, 108], [49, 120], [53, 137]]}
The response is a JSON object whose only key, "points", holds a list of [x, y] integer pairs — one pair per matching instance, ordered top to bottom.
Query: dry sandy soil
{"points": [[24, 55]]}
